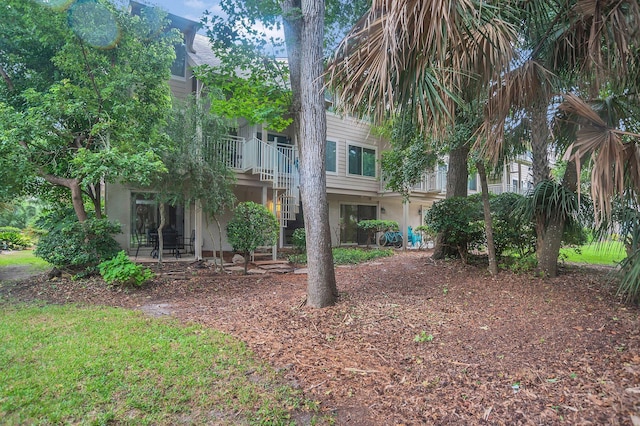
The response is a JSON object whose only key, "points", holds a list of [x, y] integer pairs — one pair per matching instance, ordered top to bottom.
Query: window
{"points": [[179, 66], [330, 156], [362, 161]]}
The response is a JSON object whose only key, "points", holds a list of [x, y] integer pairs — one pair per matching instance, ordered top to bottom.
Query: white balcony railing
{"points": [[277, 164], [499, 188]]}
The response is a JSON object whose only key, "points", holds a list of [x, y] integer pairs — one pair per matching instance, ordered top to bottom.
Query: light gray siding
{"points": [[345, 131]]}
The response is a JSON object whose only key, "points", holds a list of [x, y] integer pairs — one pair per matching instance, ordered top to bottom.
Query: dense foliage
{"points": [[83, 96], [460, 219], [251, 226], [373, 226], [512, 232], [11, 238], [299, 240], [76, 246], [120, 270]]}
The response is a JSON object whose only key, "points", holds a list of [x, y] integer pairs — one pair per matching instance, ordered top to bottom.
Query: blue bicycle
{"points": [[391, 238]]}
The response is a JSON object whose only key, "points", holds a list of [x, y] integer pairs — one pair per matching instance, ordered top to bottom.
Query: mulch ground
{"points": [[413, 341]]}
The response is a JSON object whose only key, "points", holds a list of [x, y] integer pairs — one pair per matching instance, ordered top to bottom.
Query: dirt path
{"points": [[16, 272], [415, 342]]}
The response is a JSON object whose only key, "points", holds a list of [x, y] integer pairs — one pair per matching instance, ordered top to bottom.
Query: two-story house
{"points": [[265, 164]]}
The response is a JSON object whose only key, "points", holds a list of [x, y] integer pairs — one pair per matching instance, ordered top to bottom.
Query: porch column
{"points": [[405, 223], [198, 228], [274, 249]]}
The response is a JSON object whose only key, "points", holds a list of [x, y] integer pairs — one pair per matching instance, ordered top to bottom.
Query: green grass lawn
{"points": [[605, 253], [23, 257], [97, 365]]}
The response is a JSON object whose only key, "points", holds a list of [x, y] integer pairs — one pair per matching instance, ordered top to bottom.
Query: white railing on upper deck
{"points": [[228, 149], [275, 164], [435, 181], [499, 188]]}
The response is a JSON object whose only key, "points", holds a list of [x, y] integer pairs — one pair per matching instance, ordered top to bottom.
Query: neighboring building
{"points": [[517, 176]]}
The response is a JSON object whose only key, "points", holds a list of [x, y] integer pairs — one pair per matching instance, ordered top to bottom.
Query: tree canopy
{"points": [[83, 98]]}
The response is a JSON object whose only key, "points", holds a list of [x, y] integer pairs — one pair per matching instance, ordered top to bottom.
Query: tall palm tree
{"points": [[425, 56]]}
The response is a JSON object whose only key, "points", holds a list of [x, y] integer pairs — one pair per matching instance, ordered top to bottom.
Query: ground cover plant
{"points": [[346, 256], [413, 340], [96, 365]]}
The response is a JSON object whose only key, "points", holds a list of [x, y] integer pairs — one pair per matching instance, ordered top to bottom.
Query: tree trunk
{"points": [[304, 33], [539, 143], [457, 177], [76, 194], [95, 195], [163, 222], [488, 222], [549, 227], [550, 231]]}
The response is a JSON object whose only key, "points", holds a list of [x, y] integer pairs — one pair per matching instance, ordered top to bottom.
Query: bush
{"points": [[461, 221], [375, 225], [251, 226], [512, 231], [12, 239], [299, 240], [74, 246], [521, 264], [122, 271]]}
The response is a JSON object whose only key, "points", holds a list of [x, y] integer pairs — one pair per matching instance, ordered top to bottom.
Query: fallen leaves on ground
{"points": [[412, 341]]}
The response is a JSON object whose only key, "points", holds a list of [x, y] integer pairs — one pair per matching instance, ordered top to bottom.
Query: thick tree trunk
{"points": [[304, 33], [539, 143], [457, 177], [76, 194], [488, 222], [549, 226], [549, 232], [549, 242]]}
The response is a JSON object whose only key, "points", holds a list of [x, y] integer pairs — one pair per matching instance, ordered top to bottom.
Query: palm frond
{"points": [[598, 38], [421, 55], [519, 88], [615, 154], [629, 276]]}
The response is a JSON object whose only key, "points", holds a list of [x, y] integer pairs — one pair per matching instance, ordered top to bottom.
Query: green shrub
{"points": [[460, 220], [376, 225], [251, 226], [9, 229], [513, 231], [11, 239], [299, 240], [74, 246], [521, 264], [122, 271]]}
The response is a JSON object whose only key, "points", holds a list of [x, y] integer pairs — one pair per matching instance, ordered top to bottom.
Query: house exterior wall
{"points": [[347, 131], [343, 188]]}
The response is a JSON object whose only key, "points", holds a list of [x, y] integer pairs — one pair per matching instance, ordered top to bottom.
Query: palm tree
{"points": [[425, 56]]}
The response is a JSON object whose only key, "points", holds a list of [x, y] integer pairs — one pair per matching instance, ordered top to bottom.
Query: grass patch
{"points": [[604, 253], [346, 256], [24, 258], [71, 365]]}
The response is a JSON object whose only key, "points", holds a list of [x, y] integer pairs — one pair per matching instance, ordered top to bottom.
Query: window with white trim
{"points": [[361, 161]]}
